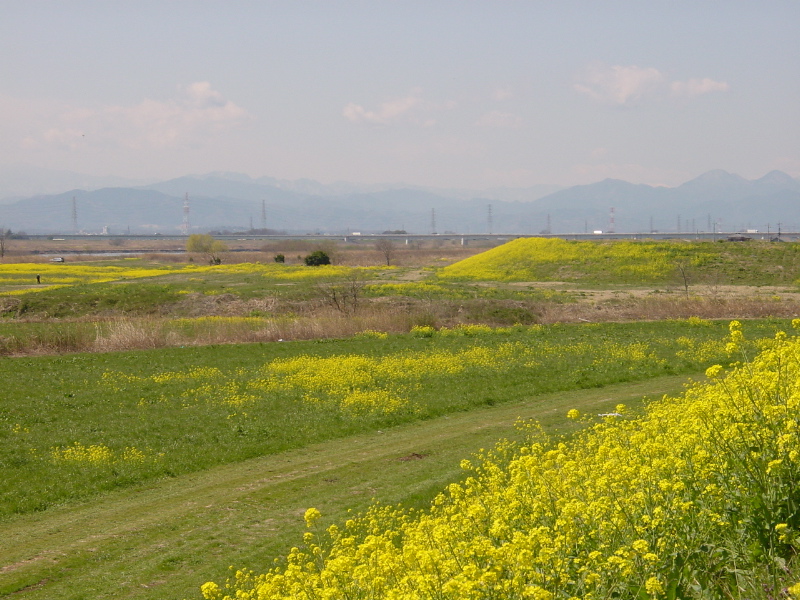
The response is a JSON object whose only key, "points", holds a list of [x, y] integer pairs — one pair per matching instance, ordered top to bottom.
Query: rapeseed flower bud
{"points": [[311, 516]]}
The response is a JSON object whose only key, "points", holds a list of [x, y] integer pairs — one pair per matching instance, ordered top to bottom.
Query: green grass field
{"points": [[75, 425], [116, 442], [144, 473]]}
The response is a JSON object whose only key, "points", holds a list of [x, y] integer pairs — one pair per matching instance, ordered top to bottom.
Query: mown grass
{"points": [[74, 425], [164, 538]]}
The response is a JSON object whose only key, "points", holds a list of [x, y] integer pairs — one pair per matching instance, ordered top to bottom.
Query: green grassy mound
{"points": [[624, 262]]}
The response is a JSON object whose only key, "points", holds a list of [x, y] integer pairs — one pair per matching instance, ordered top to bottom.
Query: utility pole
{"points": [[489, 218], [433, 221], [611, 224]]}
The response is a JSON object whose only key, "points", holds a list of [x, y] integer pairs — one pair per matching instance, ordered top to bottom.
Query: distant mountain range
{"points": [[716, 200]]}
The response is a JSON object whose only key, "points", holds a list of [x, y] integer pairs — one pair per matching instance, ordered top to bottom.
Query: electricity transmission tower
{"points": [[186, 224]]}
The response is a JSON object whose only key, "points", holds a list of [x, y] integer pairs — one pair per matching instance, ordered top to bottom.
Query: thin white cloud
{"points": [[619, 85], [629, 85], [698, 87], [501, 94], [198, 111], [388, 112], [501, 120]]}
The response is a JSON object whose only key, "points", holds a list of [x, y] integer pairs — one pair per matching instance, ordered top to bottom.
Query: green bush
{"points": [[317, 258]]}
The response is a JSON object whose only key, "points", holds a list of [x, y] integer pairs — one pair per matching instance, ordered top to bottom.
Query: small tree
{"points": [[203, 243], [386, 247], [280, 258], [317, 258], [685, 275], [344, 295]]}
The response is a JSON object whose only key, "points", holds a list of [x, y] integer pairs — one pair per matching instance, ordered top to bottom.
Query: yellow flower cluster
{"points": [[471, 330], [371, 333], [699, 350], [96, 455], [700, 493]]}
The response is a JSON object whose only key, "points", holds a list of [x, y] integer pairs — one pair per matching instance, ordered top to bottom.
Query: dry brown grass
{"points": [[316, 320], [125, 334], [137, 334]]}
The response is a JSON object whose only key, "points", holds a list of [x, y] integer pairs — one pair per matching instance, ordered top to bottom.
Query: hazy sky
{"points": [[440, 93]]}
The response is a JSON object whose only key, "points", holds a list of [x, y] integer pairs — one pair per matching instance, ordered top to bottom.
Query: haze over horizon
{"points": [[442, 94]]}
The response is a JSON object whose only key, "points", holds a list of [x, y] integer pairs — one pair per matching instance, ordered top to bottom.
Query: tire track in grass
{"points": [[165, 538]]}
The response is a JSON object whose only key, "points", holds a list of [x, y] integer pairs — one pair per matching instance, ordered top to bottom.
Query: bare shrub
{"points": [[387, 249], [345, 295]]}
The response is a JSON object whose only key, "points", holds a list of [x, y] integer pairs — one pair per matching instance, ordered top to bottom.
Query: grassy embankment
{"points": [[80, 426]]}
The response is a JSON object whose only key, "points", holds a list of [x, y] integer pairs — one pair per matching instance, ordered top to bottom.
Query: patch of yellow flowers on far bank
{"points": [[53, 276], [357, 384], [698, 498]]}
